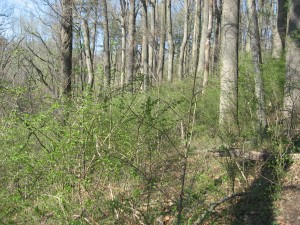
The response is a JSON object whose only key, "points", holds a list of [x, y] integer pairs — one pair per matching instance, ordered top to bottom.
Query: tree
{"points": [[265, 8], [282, 21], [279, 28], [204, 32], [196, 35], [184, 40], [123, 41], [152, 42], [170, 42], [66, 44], [145, 44], [277, 44], [216, 47], [130, 48], [88, 54], [161, 55], [207, 59], [257, 61], [229, 64], [107, 66], [292, 86]]}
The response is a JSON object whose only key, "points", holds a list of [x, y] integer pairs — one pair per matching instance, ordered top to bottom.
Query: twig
{"points": [[215, 204]]}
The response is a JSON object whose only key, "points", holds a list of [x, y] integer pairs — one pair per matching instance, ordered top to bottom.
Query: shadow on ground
{"points": [[257, 207]]}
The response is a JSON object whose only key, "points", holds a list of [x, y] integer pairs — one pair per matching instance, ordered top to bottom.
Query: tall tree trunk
{"points": [[218, 14], [261, 19], [282, 21], [94, 32], [248, 33], [196, 35], [94, 38], [152, 39], [184, 40], [123, 41], [170, 42], [145, 44], [66, 45], [207, 45], [277, 47], [130, 49], [88, 55], [257, 61], [201, 62], [81, 63], [107, 64], [229, 65], [160, 66], [292, 86]]}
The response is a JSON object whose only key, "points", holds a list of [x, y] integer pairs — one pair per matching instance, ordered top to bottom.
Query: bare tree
{"points": [[282, 21], [279, 28], [204, 31], [196, 35], [184, 40], [123, 41], [152, 41], [170, 42], [66, 44], [145, 44], [130, 47], [216, 47], [88, 54], [161, 55], [207, 58], [257, 61], [107, 64], [229, 64], [292, 86]]}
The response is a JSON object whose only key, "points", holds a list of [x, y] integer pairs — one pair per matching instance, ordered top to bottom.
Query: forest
{"points": [[147, 111]]}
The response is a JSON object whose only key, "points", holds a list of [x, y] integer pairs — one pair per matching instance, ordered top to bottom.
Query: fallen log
{"points": [[250, 155]]}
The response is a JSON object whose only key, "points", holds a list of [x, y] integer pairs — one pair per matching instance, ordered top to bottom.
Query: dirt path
{"points": [[289, 202]]}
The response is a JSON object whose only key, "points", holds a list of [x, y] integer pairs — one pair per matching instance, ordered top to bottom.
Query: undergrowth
{"points": [[118, 159]]}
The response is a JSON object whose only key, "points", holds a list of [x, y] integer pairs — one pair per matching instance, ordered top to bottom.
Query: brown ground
{"points": [[289, 202]]}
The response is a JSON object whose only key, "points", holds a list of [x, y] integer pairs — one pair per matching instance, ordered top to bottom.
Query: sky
{"points": [[20, 7], [20, 11]]}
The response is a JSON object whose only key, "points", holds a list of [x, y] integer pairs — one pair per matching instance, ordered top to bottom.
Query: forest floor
{"points": [[289, 202], [265, 204]]}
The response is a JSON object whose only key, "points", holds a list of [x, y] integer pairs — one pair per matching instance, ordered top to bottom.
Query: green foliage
{"points": [[273, 73], [118, 160], [60, 161]]}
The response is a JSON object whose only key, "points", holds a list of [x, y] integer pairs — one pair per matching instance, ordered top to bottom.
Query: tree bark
{"points": [[265, 8], [218, 14], [282, 21], [204, 31], [196, 35], [184, 39], [123, 41], [247, 41], [170, 42], [152, 43], [145, 44], [66, 45], [207, 46], [277, 48], [130, 49], [88, 55], [257, 61], [107, 64], [229, 65], [160, 66], [292, 86]]}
